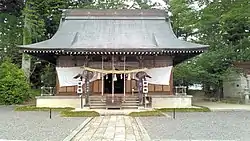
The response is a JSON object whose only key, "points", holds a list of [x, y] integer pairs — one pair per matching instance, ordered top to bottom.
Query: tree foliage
{"points": [[12, 7], [183, 17], [224, 25], [10, 36], [14, 88]]}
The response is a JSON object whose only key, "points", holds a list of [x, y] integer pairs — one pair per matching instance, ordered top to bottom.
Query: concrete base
{"points": [[59, 101], [158, 101], [171, 101]]}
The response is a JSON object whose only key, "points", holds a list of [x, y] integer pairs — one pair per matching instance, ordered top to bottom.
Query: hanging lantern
{"points": [[98, 75], [121, 75], [133, 76], [107, 77], [129, 77], [115, 78]]}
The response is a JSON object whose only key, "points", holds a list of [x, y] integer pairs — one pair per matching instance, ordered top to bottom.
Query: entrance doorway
{"points": [[118, 84]]}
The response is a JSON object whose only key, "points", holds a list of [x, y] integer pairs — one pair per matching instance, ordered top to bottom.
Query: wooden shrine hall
{"points": [[104, 54]]}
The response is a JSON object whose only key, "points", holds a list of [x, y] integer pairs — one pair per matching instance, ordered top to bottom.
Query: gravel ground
{"points": [[35, 126], [200, 126]]}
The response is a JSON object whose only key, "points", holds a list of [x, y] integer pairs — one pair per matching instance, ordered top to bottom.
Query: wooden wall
{"points": [[96, 86]]}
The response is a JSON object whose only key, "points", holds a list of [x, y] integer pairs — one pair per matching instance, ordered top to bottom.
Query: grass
{"points": [[34, 108], [201, 109], [64, 112], [68, 113], [146, 114]]}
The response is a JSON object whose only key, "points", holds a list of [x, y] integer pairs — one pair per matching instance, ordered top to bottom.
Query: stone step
{"points": [[99, 97], [104, 99], [98, 101], [134, 101], [104, 102], [97, 104], [130, 104], [124, 106], [97, 107], [108, 107], [130, 107]]}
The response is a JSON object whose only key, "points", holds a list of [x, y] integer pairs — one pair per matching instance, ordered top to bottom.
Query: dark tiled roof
{"points": [[123, 33]]}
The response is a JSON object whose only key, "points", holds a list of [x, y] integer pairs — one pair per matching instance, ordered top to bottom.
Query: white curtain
{"points": [[66, 76], [160, 76]]}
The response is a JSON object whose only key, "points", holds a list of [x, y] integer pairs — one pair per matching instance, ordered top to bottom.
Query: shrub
{"points": [[14, 88]]}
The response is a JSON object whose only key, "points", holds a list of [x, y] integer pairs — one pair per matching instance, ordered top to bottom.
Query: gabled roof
{"points": [[115, 30]]}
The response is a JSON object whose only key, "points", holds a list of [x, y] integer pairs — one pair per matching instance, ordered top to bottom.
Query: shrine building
{"points": [[102, 55]]}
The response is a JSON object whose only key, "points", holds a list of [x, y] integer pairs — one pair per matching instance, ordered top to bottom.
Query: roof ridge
{"points": [[116, 12]]}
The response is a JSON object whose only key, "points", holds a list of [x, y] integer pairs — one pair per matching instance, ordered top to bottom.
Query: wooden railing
{"points": [[47, 91]]}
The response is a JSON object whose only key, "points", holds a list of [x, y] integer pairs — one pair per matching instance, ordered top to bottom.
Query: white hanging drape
{"points": [[66, 76], [160, 76]]}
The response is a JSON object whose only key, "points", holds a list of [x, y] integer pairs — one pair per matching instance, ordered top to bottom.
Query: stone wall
{"points": [[235, 87], [59, 101], [171, 101]]}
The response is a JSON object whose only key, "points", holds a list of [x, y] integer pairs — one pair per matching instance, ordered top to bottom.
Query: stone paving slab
{"points": [[111, 128]]}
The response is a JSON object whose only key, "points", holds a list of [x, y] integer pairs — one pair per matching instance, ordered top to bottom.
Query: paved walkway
{"points": [[216, 106], [113, 128]]}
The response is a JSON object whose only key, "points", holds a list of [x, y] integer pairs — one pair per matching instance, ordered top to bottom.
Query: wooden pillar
{"points": [[140, 59], [86, 63], [124, 78], [102, 79], [171, 84], [113, 85]]}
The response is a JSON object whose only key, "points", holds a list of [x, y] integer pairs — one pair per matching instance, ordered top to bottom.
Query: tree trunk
{"points": [[26, 59], [219, 91]]}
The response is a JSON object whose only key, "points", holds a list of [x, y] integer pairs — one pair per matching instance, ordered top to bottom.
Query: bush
{"points": [[14, 88]]}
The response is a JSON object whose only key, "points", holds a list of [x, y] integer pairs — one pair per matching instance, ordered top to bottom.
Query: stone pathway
{"points": [[113, 128]]}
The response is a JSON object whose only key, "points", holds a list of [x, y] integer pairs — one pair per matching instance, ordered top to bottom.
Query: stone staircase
{"points": [[99, 102]]}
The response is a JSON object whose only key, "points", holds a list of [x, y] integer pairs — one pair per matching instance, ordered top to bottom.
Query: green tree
{"points": [[12, 7], [184, 18], [224, 25], [10, 29], [10, 36], [14, 88]]}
